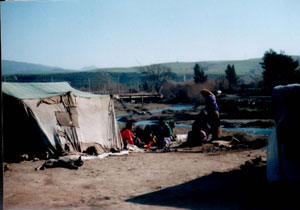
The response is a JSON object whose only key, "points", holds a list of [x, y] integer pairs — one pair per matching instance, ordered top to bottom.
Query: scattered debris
{"points": [[181, 137], [221, 143], [134, 148], [91, 151], [24, 157], [258, 161], [63, 162], [6, 167]]}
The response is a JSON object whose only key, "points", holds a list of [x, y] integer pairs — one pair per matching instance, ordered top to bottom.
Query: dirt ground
{"points": [[185, 179], [116, 182]]}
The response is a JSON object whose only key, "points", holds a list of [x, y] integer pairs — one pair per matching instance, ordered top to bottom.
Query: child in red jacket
{"points": [[127, 134], [129, 138]]}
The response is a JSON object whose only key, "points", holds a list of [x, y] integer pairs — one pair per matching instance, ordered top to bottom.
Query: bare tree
{"points": [[155, 76]]}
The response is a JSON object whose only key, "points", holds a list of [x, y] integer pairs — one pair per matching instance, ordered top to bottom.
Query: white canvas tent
{"points": [[54, 117]]}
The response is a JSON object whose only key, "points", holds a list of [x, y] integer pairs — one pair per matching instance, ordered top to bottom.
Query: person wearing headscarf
{"points": [[212, 110], [163, 133]]}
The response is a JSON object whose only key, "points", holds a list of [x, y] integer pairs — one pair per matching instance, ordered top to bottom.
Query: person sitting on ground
{"points": [[212, 110], [201, 123], [171, 127], [139, 133], [127, 134], [163, 134], [145, 135], [198, 135], [148, 136], [129, 138], [196, 138]]}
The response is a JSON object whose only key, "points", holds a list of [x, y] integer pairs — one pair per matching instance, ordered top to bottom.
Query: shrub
{"points": [[186, 92]]}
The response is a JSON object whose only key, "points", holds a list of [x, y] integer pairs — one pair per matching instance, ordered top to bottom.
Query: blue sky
{"points": [[122, 33]]}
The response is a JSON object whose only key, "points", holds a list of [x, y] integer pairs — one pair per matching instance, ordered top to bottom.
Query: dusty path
{"points": [[116, 182]]}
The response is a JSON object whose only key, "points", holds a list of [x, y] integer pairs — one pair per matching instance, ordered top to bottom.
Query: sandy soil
{"points": [[186, 179], [116, 182]]}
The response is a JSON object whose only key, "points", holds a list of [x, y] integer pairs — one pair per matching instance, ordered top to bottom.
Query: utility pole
{"points": [[108, 83], [118, 87]]}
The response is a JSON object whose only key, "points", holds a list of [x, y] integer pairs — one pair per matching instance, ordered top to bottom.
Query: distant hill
{"points": [[14, 67], [210, 67], [218, 67], [242, 67], [87, 68], [248, 71]]}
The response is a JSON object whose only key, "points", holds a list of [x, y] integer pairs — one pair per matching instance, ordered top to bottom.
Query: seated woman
{"points": [[199, 133], [163, 134], [129, 138], [149, 138]]}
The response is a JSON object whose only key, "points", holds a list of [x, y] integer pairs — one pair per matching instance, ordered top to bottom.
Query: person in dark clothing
{"points": [[212, 110], [201, 122], [163, 133], [198, 134], [148, 136]]}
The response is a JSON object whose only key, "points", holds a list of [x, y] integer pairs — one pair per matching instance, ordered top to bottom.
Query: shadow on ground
{"points": [[246, 188]]}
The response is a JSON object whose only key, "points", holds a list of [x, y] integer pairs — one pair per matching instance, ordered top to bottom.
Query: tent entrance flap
{"points": [[70, 116], [65, 119]]}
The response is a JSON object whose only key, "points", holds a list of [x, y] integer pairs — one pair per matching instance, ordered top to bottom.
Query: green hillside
{"points": [[210, 67], [218, 67], [242, 67], [116, 70], [247, 70]]}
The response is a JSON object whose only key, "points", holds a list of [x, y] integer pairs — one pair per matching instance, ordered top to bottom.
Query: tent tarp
{"points": [[35, 90], [67, 120], [96, 125]]}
